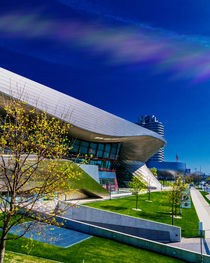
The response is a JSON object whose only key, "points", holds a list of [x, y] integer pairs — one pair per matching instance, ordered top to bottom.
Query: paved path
{"points": [[202, 209], [203, 212], [193, 244]]}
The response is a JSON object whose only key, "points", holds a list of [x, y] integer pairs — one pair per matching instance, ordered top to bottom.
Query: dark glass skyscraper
{"points": [[150, 122]]}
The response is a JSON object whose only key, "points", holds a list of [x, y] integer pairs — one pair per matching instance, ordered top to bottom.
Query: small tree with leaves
{"points": [[31, 145], [154, 171], [136, 185], [182, 192], [175, 196]]}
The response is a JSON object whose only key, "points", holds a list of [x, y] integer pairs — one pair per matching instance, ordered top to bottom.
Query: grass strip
{"points": [[95, 249], [14, 257]]}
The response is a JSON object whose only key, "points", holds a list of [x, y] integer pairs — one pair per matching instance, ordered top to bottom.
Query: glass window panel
{"points": [[75, 144], [101, 146], [84, 147], [108, 147], [92, 149], [100, 150], [107, 150], [113, 150], [118, 150], [112, 156], [108, 165]]}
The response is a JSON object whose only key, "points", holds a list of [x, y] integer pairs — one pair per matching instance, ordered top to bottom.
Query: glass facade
{"points": [[99, 150], [104, 155]]}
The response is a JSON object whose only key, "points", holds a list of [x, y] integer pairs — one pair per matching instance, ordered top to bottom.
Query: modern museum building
{"points": [[116, 148]]}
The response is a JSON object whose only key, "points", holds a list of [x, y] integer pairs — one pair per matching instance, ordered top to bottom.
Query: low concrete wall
{"points": [[105, 218], [156, 235], [160, 248]]}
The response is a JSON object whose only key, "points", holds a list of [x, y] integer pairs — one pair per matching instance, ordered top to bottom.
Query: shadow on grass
{"points": [[112, 207], [164, 213], [154, 217]]}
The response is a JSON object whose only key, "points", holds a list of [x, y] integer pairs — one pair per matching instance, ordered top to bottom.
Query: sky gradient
{"points": [[130, 58]]}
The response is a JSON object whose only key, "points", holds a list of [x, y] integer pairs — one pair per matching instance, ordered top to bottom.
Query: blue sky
{"points": [[129, 57]]}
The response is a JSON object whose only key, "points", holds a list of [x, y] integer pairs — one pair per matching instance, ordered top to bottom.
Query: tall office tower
{"points": [[151, 123]]}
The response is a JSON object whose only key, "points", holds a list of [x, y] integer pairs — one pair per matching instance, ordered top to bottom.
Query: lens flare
{"points": [[185, 57]]}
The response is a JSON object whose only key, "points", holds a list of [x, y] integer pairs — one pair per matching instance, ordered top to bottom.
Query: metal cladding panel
{"points": [[81, 115]]}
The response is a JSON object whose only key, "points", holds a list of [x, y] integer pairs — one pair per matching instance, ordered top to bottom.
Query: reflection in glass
{"points": [[75, 146], [84, 147], [92, 149], [100, 150], [107, 150], [113, 151]]}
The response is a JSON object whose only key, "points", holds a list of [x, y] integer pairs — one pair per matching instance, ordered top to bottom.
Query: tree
{"points": [[31, 145], [154, 171], [188, 178], [195, 178], [136, 185], [149, 189], [182, 193], [176, 196]]}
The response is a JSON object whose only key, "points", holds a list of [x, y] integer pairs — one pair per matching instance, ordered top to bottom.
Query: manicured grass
{"points": [[204, 194], [158, 210], [97, 250], [11, 257]]}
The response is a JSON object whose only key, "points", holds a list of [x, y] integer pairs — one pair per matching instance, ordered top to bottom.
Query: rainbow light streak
{"points": [[185, 57]]}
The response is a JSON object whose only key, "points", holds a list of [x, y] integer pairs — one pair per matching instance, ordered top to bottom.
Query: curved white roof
{"points": [[90, 123]]}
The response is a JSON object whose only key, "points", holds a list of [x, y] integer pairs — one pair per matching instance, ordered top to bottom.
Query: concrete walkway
{"points": [[202, 209], [203, 212], [193, 244]]}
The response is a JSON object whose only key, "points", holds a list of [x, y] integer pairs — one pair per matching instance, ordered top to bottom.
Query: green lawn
{"points": [[204, 194], [158, 210], [95, 249], [11, 257]]}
